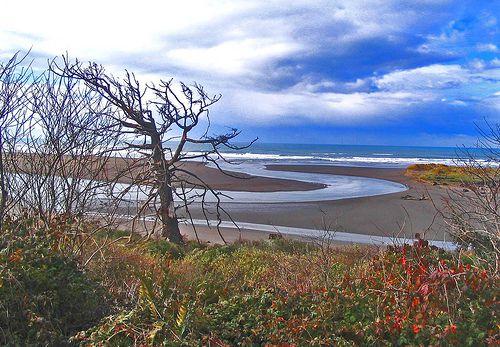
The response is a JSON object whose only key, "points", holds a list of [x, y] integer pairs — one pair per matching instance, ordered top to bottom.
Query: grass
{"points": [[441, 174]]}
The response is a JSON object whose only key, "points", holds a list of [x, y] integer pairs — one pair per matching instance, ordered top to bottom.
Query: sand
{"points": [[125, 170], [219, 180], [231, 181], [245, 182], [384, 215]]}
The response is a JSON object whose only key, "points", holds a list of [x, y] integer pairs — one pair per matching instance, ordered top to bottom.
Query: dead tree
{"points": [[15, 76], [160, 120], [59, 142], [67, 144], [473, 210]]}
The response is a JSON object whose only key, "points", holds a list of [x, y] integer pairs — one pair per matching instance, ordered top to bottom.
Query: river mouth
{"points": [[332, 187], [335, 187]]}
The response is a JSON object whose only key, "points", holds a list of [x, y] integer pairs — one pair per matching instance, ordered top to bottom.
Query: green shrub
{"points": [[443, 174], [44, 297]]}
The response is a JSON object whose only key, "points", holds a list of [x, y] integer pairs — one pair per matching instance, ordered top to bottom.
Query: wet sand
{"points": [[127, 170], [216, 179], [244, 182], [384, 215]]}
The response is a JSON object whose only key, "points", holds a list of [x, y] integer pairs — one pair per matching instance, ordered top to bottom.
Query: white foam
{"points": [[345, 159]]}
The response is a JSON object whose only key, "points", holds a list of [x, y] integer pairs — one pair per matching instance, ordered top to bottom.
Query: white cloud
{"points": [[96, 29], [238, 36], [445, 42], [234, 47], [487, 47], [236, 57], [435, 76], [439, 76], [396, 93], [492, 102], [294, 105]]}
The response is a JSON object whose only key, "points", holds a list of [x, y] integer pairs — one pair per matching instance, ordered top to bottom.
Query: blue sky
{"points": [[353, 72]]}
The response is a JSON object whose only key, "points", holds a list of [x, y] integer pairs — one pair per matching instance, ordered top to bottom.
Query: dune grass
{"points": [[441, 174]]}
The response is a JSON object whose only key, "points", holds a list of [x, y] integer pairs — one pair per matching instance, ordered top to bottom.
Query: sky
{"points": [[380, 72]]}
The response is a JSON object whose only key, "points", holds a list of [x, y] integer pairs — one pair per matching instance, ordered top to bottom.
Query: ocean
{"points": [[349, 155]]}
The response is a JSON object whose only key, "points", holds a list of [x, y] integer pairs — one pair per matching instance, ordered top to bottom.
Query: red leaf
{"points": [[424, 289], [416, 328]]}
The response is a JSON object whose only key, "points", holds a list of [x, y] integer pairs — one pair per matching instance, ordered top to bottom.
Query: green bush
{"points": [[44, 297]]}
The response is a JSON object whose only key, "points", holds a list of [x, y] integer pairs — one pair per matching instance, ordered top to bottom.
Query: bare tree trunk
{"points": [[3, 190], [169, 223]]}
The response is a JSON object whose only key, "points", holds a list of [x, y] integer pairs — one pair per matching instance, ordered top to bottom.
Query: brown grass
{"points": [[441, 174]]}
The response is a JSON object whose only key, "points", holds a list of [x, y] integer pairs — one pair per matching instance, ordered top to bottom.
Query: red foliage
{"points": [[413, 285]]}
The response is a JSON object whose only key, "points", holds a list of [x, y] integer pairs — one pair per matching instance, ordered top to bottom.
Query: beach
{"points": [[269, 197], [400, 214]]}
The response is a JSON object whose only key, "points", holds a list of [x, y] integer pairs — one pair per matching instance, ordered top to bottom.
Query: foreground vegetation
{"points": [[156, 293]]}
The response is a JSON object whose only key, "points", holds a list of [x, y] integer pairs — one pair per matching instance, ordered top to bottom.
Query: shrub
{"points": [[440, 173], [248, 294], [264, 294], [44, 297]]}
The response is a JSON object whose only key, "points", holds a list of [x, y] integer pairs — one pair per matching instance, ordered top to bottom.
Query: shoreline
{"points": [[126, 170], [389, 174], [246, 182], [386, 215], [389, 215]]}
